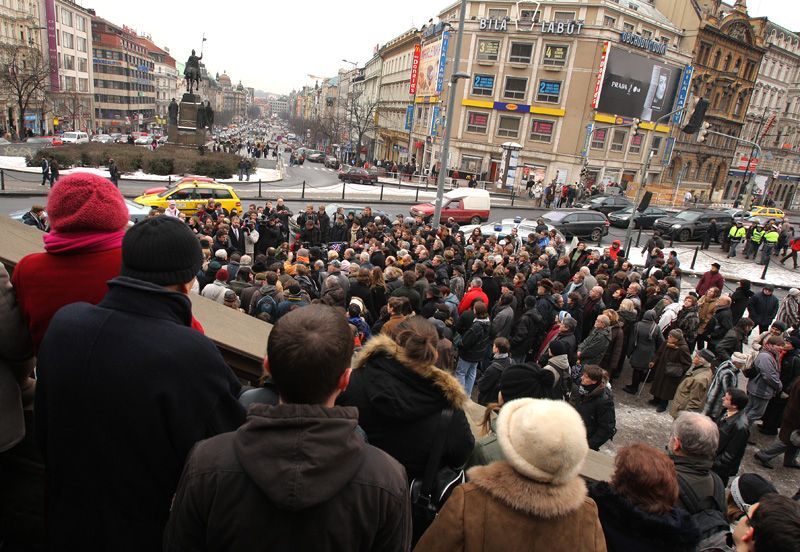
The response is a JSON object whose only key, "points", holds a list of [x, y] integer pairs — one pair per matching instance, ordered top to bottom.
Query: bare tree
{"points": [[24, 74], [71, 105], [361, 115]]}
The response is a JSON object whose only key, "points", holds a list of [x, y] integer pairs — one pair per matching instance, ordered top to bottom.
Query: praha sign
{"points": [[572, 27]]}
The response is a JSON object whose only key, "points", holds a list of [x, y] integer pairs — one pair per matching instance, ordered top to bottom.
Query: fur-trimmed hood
{"points": [[382, 347], [542, 500]]}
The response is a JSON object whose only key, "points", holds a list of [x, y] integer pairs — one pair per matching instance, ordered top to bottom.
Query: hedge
{"points": [[165, 160]]}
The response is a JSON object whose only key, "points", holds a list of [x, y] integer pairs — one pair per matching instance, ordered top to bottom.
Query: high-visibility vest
{"points": [[737, 232], [757, 235], [771, 237]]}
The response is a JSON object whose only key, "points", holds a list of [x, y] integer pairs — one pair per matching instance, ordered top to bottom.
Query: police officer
{"points": [[736, 234], [756, 237], [771, 237]]}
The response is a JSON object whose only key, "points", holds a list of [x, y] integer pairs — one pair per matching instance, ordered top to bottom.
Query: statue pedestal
{"points": [[186, 133]]}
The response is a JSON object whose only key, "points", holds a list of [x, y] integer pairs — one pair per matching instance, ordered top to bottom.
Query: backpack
{"points": [[266, 305], [749, 370], [563, 379], [708, 516]]}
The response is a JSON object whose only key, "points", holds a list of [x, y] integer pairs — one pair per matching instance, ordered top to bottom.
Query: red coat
{"points": [[709, 280], [45, 282], [469, 298]]}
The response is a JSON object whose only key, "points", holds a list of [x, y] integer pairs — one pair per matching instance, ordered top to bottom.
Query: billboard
{"points": [[431, 66], [634, 85], [412, 88]]}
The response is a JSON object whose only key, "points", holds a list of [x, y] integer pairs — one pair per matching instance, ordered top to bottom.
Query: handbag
{"points": [[674, 369], [429, 494]]}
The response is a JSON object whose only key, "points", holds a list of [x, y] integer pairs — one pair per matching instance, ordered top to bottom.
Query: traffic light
{"points": [[698, 115], [635, 127], [701, 134]]}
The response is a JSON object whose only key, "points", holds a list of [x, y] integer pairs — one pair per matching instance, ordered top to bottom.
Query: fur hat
{"points": [[82, 202], [547, 284], [706, 355], [739, 359], [543, 440]]}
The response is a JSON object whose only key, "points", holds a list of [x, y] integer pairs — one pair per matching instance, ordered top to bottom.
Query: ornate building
{"points": [[726, 46]]}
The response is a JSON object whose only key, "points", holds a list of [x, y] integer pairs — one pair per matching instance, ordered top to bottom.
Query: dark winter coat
{"points": [[739, 301], [592, 308], [762, 308], [687, 321], [723, 321], [503, 322], [526, 331], [568, 339], [475, 341], [644, 342], [731, 343], [595, 346], [614, 352], [489, 384], [664, 386], [124, 390], [399, 406], [597, 411], [791, 414], [733, 435], [357, 492], [628, 528]]}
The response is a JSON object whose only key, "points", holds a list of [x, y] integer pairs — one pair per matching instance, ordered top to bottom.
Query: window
{"points": [[497, 13], [527, 16], [66, 17], [609, 22], [80, 23], [628, 28], [647, 34], [67, 40], [81, 44], [488, 50], [521, 52], [555, 55], [69, 62], [82, 65], [69, 83], [83, 85], [483, 85], [515, 88], [548, 91], [477, 122], [508, 126], [542, 131], [599, 139], [618, 140], [636, 144], [655, 145], [471, 164]]}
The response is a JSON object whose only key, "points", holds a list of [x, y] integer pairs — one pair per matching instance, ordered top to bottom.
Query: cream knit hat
{"points": [[543, 440]]}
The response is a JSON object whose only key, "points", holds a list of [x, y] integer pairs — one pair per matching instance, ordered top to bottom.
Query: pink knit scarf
{"points": [[82, 242]]}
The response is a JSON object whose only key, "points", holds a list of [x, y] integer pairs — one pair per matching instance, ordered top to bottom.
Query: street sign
{"points": [[683, 93], [409, 117], [589, 129], [668, 151], [743, 163]]}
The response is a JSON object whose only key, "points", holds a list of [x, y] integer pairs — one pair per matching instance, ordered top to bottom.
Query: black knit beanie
{"points": [[161, 250]]}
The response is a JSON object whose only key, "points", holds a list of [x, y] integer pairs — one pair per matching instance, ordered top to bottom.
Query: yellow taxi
{"points": [[190, 193], [761, 211]]}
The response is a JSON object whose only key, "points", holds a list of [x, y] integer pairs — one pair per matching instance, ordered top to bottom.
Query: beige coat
{"points": [[692, 391], [500, 509]]}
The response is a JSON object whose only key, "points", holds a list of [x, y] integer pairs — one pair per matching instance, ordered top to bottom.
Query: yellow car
{"points": [[190, 193], [762, 211]]}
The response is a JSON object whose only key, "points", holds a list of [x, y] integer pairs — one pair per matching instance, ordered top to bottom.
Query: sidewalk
{"points": [[732, 270]]}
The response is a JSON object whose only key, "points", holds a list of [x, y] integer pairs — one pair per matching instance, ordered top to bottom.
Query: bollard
{"points": [[2, 180], [169, 181], [426, 184], [344, 185], [259, 188], [381, 191], [303, 193], [416, 196], [513, 196], [639, 236], [671, 239], [600, 243], [694, 257], [766, 266]]}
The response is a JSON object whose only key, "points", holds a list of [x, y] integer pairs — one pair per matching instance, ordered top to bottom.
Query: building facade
{"points": [[537, 74], [165, 80], [124, 82], [773, 120]]}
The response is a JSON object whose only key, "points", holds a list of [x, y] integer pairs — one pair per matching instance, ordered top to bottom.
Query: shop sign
{"points": [[571, 27], [643, 43], [412, 89]]}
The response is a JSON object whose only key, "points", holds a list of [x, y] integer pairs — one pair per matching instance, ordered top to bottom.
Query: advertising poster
{"points": [[428, 76], [637, 86], [412, 87], [409, 117]]}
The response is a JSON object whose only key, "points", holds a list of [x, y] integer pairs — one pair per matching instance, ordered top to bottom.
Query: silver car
{"points": [[136, 212]]}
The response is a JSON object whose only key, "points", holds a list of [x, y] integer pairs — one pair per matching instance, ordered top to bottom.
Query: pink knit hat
{"points": [[82, 202]]}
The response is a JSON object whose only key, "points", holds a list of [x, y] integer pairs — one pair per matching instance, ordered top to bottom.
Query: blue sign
{"points": [[442, 61], [483, 81], [551, 88], [683, 93], [437, 114], [409, 116], [589, 129], [668, 151]]}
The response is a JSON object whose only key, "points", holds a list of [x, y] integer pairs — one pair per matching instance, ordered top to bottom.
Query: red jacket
{"points": [[795, 244], [709, 280], [469, 298]]}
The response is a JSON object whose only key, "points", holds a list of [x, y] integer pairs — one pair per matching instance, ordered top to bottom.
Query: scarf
{"points": [[62, 243], [586, 389]]}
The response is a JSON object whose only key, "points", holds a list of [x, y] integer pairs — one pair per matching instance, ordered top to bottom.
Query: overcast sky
{"points": [[273, 45]]}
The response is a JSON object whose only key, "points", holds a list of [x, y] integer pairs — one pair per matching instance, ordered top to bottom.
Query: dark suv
{"points": [[578, 222], [692, 224]]}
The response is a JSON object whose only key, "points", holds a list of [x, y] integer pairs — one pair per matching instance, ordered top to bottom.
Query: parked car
{"points": [[73, 137], [103, 138], [52, 140], [143, 141], [4, 142], [315, 156], [331, 162], [358, 176], [189, 196], [605, 204], [470, 205], [332, 208], [136, 212], [770, 212], [737, 213], [644, 220], [578, 222], [692, 224], [501, 229]]}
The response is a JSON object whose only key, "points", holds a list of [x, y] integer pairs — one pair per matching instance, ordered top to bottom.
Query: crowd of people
{"points": [[400, 355]]}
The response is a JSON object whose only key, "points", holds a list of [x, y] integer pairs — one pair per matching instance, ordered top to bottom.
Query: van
{"points": [[75, 138], [465, 205]]}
